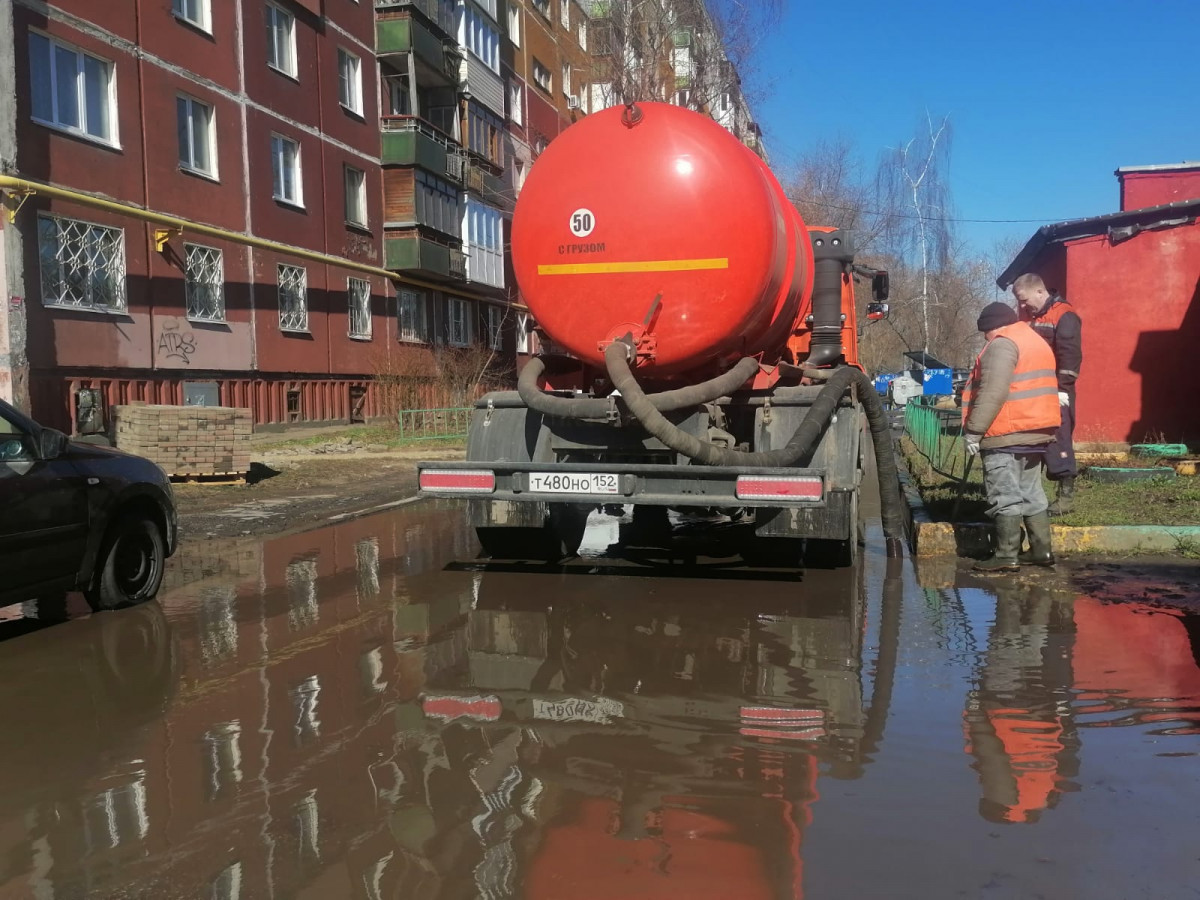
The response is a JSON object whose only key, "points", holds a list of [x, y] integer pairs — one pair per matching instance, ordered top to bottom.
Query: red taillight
{"points": [[462, 481], [771, 487], [480, 708], [775, 723]]}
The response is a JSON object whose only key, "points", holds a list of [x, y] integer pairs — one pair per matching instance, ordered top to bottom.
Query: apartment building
{"points": [[442, 156], [194, 208]]}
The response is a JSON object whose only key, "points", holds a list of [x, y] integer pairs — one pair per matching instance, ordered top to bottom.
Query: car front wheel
{"points": [[130, 566]]}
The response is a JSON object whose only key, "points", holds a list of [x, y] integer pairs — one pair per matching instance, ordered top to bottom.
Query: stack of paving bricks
{"points": [[186, 440]]}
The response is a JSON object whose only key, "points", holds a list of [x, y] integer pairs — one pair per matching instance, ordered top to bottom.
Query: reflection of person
{"points": [[1055, 320], [1010, 414], [1017, 722]]}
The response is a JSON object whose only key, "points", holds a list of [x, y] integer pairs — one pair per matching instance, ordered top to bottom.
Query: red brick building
{"points": [[253, 120], [1134, 278]]}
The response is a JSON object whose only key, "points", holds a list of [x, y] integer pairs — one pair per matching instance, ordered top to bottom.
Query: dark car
{"points": [[79, 517]]}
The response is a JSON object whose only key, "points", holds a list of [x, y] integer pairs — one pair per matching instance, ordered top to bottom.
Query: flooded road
{"points": [[369, 711]]}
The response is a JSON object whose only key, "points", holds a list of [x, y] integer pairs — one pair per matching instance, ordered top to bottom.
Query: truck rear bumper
{"points": [[632, 483]]}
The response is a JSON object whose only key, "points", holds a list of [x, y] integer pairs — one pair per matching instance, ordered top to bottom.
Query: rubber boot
{"points": [[1064, 502], [1037, 528], [1008, 545]]}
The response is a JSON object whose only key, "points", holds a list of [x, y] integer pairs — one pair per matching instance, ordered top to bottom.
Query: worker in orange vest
{"points": [[1056, 321], [1010, 414]]}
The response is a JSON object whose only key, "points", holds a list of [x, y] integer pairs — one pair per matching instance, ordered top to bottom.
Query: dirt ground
{"points": [[291, 489]]}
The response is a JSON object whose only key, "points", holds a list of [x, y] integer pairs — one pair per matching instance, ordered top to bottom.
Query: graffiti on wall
{"points": [[175, 344]]}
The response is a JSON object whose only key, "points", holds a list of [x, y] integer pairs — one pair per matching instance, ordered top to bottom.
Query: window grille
{"points": [[82, 265], [204, 283], [358, 293], [293, 298], [411, 313]]}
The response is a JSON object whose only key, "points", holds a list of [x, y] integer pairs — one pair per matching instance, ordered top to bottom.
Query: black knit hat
{"points": [[996, 315]]}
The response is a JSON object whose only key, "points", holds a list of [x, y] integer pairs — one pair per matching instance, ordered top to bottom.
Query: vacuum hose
{"points": [[597, 408], [643, 408]]}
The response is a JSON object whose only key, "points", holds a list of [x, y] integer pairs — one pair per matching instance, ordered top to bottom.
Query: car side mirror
{"points": [[880, 286], [876, 311], [51, 443]]}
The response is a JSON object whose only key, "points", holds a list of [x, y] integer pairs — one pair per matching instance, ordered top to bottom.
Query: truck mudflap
{"points": [[649, 484]]}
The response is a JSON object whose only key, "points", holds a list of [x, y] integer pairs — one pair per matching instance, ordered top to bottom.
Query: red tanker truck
{"points": [[700, 351]]}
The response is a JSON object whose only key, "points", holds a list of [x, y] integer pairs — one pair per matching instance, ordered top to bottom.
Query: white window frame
{"points": [[542, 6], [564, 13], [203, 15], [514, 24], [583, 34], [481, 38], [281, 40], [543, 77], [566, 79], [350, 89], [516, 103], [109, 137], [278, 163], [189, 164], [520, 172], [356, 196], [72, 261], [204, 283], [358, 303], [412, 306], [292, 316], [458, 322], [495, 327], [524, 328]]}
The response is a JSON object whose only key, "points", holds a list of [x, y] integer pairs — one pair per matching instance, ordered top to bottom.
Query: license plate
{"points": [[573, 483]]}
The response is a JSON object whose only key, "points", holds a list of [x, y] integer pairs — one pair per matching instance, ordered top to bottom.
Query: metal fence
{"points": [[434, 424], [936, 432]]}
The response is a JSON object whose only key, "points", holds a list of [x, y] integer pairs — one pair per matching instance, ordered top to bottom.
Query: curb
{"points": [[928, 538]]}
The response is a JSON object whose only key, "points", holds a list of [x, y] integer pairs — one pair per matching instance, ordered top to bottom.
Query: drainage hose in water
{"points": [[618, 354], [597, 408]]}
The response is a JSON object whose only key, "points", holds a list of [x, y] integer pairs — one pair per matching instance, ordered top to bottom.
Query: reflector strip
{"points": [[646, 265], [461, 480], [769, 487], [480, 708], [777, 716], [775, 723]]}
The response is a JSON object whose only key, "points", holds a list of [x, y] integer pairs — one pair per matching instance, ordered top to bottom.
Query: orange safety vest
{"points": [[1032, 403]]}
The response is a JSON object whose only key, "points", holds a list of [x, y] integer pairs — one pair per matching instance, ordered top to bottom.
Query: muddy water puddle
{"points": [[370, 711]]}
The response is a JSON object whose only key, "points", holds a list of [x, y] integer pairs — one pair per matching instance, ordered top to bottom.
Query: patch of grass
{"points": [[366, 435], [1155, 502]]}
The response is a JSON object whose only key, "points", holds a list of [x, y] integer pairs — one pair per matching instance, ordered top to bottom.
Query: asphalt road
{"points": [[369, 710]]}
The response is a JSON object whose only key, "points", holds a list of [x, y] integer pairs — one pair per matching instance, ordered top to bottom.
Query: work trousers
{"points": [[1060, 453], [1013, 482]]}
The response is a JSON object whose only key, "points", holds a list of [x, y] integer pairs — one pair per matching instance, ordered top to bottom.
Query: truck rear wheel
{"points": [[835, 554]]}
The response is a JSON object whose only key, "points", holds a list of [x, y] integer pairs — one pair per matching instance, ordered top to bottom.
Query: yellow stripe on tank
{"points": [[648, 265]]}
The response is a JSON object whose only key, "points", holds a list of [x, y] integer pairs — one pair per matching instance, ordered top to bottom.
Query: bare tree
{"points": [[914, 198]]}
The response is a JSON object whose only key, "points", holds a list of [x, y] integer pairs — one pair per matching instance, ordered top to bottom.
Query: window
{"points": [[542, 6], [194, 12], [564, 13], [514, 24], [582, 34], [481, 38], [281, 40], [542, 76], [566, 80], [350, 81], [72, 90], [399, 99], [516, 103], [483, 133], [197, 136], [285, 164], [518, 173], [356, 196], [437, 204], [484, 233], [82, 265], [204, 283], [358, 297], [293, 298], [411, 316], [458, 321], [495, 326], [524, 327], [305, 696], [223, 758]]}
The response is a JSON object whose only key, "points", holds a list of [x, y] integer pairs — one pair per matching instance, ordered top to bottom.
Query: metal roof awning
{"points": [[1119, 226], [925, 361]]}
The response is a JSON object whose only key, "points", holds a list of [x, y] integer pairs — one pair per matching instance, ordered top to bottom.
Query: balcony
{"points": [[438, 12], [439, 60], [411, 141], [414, 252]]}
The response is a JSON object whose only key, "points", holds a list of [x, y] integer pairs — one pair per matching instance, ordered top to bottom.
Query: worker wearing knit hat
{"points": [[996, 315], [1010, 414]]}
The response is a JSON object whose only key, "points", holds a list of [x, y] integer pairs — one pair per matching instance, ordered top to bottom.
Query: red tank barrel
{"points": [[656, 221]]}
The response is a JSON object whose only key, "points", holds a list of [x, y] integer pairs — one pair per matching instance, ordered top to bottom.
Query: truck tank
{"points": [[656, 223], [701, 355]]}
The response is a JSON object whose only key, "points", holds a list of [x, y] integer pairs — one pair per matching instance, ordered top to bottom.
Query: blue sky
{"points": [[1046, 99]]}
